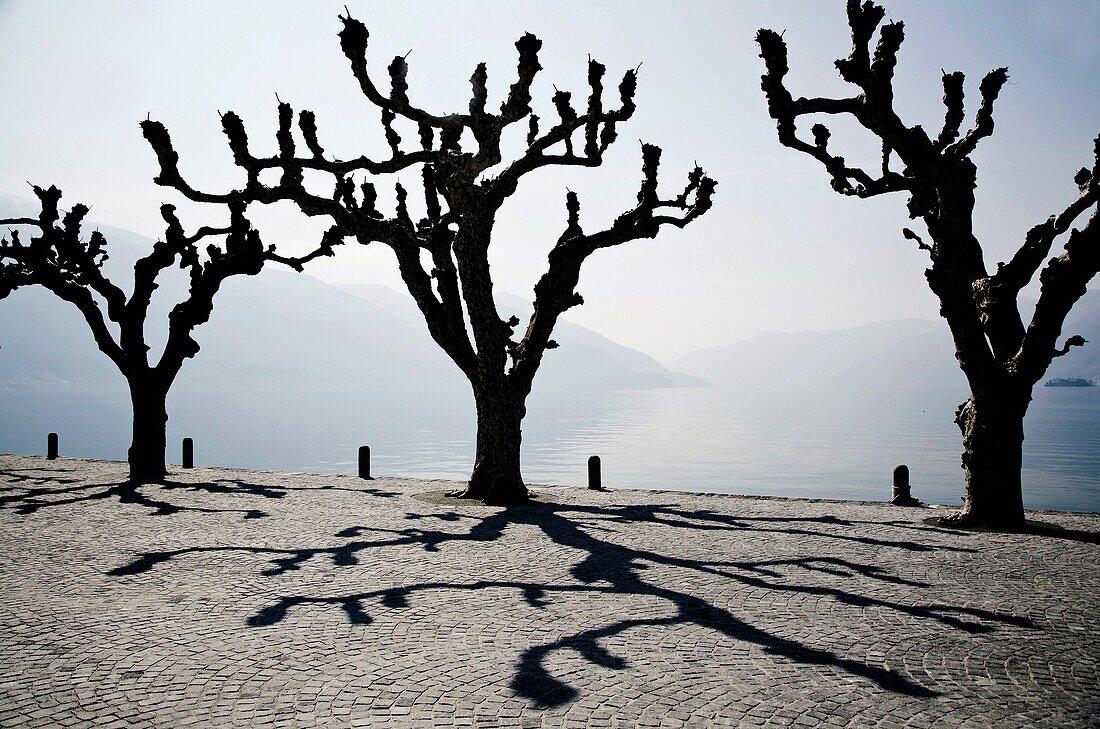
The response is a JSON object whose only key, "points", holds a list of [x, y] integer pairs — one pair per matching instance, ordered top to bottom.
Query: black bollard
{"points": [[51, 446], [188, 453], [364, 463], [594, 480], [900, 491]]}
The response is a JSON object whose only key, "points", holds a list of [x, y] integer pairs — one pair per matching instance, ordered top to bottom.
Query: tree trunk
{"points": [[993, 438], [146, 454], [496, 478]]}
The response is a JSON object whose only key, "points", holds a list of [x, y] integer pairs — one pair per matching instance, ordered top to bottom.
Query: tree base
{"points": [[147, 475], [496, 478], [494, 497]]}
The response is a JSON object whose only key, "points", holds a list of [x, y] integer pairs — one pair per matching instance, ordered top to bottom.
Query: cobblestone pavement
{"points": [[242, 598]]}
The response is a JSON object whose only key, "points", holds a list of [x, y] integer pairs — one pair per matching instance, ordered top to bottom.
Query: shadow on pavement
{"points": [[29, 490], [1038, 528], [609, 568]]}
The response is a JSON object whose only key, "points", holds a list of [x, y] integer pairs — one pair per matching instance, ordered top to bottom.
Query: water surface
{"points": [[788, 442]]}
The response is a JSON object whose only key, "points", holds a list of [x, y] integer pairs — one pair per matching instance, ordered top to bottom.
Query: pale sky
{"points": [[779, 250]]}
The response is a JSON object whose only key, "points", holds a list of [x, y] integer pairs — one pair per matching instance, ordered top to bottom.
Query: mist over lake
{"points": [[828, 443]]}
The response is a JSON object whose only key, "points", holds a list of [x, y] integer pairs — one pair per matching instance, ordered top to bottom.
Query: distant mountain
{"points": [[13, 206], [284, 330], [906, 353], [798, 358], [929, 359], [585, 360], [922, 360]]}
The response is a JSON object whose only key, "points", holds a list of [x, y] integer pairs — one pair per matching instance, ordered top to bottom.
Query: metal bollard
{"points": [[51, 446], [188, 453], [364, 463], [594, 480], [900, 490]]}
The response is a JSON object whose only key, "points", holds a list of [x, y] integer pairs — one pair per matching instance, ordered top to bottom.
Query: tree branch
{"points": [[353, 41], [990, 88], [953, 102], [785, 110], [599, 126], [334, 236], [242, 254], [59, 261], [1016, 274], [1064, 280], [555, 291], [444, 318], [1075, 341]]}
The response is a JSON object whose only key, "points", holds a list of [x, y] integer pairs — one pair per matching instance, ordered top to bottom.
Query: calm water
{"points": [[835, 444]]}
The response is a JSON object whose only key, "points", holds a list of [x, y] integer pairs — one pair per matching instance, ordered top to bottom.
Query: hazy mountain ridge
{"points": [[285, 330], [582, 350], [905, 353], [810, 358], [929, 359]]}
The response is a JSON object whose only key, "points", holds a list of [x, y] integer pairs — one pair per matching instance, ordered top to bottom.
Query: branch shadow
{"points": [[15, 476], [240, 486], [126, 492], [27, 493], [1031, 526], [606, 567]]}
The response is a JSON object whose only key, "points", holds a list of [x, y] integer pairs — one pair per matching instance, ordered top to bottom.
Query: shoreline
{"points": [[938, 509]]}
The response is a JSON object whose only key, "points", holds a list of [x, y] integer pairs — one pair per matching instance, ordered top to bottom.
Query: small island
{"points": [[1069, 382]]}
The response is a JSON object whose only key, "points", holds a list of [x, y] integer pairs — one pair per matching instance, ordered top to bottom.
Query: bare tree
{"points": [[463, 191], [61, 260], [1002, 360]]}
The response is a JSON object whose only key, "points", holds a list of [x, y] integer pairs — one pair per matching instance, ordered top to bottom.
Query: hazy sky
{"points": [[779, 250]]}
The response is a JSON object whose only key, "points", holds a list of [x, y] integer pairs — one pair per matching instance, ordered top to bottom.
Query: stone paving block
{"points": [[245, 598]]}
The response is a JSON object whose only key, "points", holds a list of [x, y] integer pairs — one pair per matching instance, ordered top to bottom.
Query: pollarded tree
{"points": [[463, 191], [69, 265], [1001, 358]]}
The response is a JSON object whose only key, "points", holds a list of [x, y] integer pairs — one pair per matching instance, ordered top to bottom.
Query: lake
{"points": [[790, 442]]}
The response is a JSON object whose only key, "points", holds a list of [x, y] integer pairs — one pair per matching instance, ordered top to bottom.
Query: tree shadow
{"points": [[15, 476], [228, 486], [240, 486], [29, 490], [33, 500], [1036, 528], [609, 568]]}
